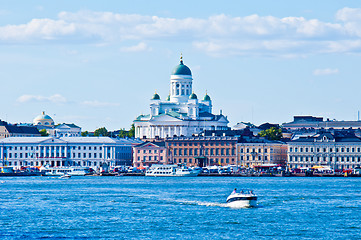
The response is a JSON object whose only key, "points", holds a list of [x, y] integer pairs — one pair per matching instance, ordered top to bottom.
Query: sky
{"points": [[98, 63]]}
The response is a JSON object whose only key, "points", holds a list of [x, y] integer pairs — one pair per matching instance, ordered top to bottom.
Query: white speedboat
{"points": [[157, 170], [60, 171], [241, 199]]}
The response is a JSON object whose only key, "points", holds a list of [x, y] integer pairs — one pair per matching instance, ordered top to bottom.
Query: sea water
{"points": [[178, 208]]}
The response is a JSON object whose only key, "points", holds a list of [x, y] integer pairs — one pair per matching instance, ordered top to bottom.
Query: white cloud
{"points": [[217, 35], [141, 47], [326, 71], [56, 98], [95, 103]]}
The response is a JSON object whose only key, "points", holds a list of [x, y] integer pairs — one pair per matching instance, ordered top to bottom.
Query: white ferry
{"points": [[158, 170], [60, 171], [244, 198]]}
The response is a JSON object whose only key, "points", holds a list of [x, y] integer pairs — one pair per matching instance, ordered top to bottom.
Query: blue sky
{"points": [[97, 63]]}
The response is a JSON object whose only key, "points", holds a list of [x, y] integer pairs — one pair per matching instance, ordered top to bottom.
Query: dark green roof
{"points": [[181, 69], [156, 96], [193, 96], [207, 98]]}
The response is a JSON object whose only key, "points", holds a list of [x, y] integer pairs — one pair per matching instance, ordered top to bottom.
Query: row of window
{"points": [[196, 144], [53, 147], [325, 149], [254, 150], [151, 151], [207, 151], [37, 155], [151, 158], [259, 158], [324, 159], [211, 160]]}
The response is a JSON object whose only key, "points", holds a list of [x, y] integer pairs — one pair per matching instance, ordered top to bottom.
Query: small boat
{"points": [[65, 176], [244, 198]]}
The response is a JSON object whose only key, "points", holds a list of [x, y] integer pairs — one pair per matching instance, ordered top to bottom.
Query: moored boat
{"points": [[158, 170], [60, 171]]}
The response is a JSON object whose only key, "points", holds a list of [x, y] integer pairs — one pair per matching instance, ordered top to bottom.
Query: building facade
{"points": [[182, 113], [9, 130], [202, 150], [67, 151], [339, 151], [261, 152], [148, 153]]}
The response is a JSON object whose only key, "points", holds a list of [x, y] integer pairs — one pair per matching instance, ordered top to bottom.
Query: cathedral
{"points": [[182, 113]]}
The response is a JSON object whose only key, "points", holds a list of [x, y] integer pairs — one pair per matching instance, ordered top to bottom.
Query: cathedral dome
{"points": [[181, 69], [156, 96], [193, 96], [207, 98], [43, 119]]}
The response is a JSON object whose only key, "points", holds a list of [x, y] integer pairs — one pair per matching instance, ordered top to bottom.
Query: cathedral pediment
{"points": [[165, 118]]}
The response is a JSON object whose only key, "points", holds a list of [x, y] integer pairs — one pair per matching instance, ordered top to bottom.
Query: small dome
{"points": [[181, 69], [156, 96], [193, 96], [168, 98], [207, 98], [43, 119]]}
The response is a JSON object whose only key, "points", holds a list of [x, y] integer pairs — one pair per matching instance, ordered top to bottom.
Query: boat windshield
{"points": [[243, 191]]}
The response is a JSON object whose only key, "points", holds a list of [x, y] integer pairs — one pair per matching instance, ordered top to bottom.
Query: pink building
{"points": [[149, 153]]}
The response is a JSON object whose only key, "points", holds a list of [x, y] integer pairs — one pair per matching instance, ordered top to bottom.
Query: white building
{"points": [[182, 113], [65, 130], [66, 151], [338, 151]]}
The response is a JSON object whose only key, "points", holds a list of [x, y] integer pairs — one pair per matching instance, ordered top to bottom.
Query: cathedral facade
{"points": [[182, 113]]}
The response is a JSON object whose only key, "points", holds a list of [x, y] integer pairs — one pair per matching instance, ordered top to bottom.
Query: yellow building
{"points": [[260, 152]]}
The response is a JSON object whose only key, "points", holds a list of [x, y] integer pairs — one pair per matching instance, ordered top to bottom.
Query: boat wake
{"points": [[209, 204]]}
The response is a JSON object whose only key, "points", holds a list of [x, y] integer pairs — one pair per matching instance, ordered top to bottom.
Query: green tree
{"points": [[101, 132], [131, 132], [43, 133], [271, 133], [84, 134]]}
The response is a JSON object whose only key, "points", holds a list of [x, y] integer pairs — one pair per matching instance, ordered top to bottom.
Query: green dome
{"points": [[181, 69], [156, 96], [193, 96], [168, 98], [207, 98]]}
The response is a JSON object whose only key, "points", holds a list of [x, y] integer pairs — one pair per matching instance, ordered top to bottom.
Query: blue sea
{"points": [[178, 208]]}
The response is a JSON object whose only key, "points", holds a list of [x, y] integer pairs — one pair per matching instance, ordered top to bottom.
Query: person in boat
{"points": [[234, 191]]}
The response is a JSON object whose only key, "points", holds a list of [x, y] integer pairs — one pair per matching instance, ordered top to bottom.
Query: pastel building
{"points": [[182, 113], [202, 150], [256, 151], [149, 153]]}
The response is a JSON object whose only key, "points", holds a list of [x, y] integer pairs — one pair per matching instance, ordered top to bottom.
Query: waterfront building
{"points": [[182, 113], [310, 122], [9, 130], [202, 150], [341, 150], [65, 151], [256, 151], [148, 153]]}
